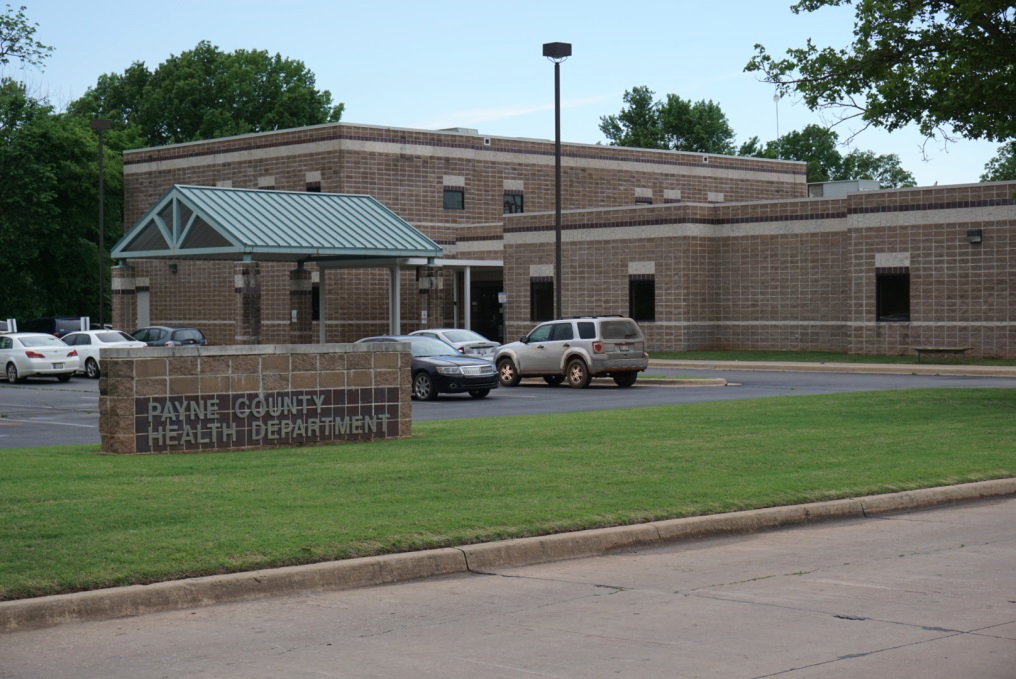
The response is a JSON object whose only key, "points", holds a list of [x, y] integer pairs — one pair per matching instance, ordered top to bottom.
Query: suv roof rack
{"points": [[567, 318]]}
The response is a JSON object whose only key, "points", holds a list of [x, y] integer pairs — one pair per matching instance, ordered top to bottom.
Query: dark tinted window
{"points": [[454, 199], [512, 203], [892, 292], [541, 299], [642, 299], [587, 330], [620, 330], [562, 331]]}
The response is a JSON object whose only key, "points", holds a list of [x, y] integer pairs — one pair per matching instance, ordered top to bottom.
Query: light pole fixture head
{"points": [[557, 51], [100, 124]]}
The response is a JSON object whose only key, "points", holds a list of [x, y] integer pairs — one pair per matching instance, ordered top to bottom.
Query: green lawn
{"points": [[819, 357], [71, 519]]}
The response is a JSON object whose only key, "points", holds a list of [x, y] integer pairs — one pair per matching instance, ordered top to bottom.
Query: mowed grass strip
{"points": [[72, 520]]}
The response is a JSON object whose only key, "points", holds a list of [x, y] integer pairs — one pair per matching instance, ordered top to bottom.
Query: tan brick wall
{"points": [[788, 275], [209, 399]]}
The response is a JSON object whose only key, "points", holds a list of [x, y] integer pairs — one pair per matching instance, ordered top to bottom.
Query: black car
{"points": [[170, 336], [439, 368]]}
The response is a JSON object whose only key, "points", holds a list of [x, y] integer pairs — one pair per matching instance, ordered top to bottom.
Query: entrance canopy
{"points": [[204, 222]]}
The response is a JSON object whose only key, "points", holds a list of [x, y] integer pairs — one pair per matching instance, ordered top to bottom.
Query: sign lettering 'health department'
{"points": [[252, 420]]}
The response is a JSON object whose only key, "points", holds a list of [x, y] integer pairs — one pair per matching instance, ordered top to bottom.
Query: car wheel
{"points": [[92, 368], [12, 373], [507, 373], [578, 374], [66, 377], [625, 379], [553, 380], [423, 387], [479, 393]]}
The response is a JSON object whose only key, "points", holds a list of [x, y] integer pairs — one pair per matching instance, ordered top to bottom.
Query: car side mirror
{"points": [[524, 339]]}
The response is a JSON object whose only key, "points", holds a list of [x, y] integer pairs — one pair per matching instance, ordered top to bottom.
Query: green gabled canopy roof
{"points": [[204, 222]]}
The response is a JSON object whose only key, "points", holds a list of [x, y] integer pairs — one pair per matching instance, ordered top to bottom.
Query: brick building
{"points": [[707, 251]]}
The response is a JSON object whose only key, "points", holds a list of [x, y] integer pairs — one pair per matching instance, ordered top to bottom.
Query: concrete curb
{"points": [[858, 368], [121, 602]]}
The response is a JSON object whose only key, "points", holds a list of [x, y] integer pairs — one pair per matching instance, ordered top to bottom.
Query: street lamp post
{"points": [[557, 52], [100, 125]]}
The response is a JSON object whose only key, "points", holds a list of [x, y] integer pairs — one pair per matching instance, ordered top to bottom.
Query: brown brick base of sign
{"points": [[207, 399]]}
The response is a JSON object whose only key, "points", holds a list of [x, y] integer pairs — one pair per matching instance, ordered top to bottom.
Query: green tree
{"points": [[17, 39], [945, 65], [205, 93], [676, 124], [637, 125], [699, 126], [817, 146], [1003, 166], [886, 169], [49, 208]]}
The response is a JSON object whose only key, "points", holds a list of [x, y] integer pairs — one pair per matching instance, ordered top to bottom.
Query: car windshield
{"points": [[113, 336], [464, 336], [42, 341], [431, 347]]}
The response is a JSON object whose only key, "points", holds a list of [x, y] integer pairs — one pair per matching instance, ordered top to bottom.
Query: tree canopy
{"points": [[17, 39], [948, 66], [205, 93], [675, 123], [817, 146], [1003, 166], [49, 208]]}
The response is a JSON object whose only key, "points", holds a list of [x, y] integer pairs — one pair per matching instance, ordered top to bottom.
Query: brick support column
{"points": [[247, 286], [123, 287], [300, 306]]}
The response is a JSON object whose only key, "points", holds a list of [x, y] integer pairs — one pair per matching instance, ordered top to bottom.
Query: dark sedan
{"points": [[438, 368]]}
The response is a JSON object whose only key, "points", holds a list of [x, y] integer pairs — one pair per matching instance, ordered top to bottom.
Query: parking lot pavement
{"points": [[44, 412], [928, 593]]}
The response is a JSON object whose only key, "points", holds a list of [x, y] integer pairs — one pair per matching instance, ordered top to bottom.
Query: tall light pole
{"points": [[557, 52], [100, 125]]}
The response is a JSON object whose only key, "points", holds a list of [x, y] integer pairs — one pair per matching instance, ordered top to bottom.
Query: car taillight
{"points": [[597, 347], [462, 350], [74, 352], [34, 354]]}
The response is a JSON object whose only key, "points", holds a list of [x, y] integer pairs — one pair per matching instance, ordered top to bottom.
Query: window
{"points": [[313, 187], [454, 199], [512, 202], [892, 296], [642, 297], [541, 299], [315, 303], [562, 332], [541, 333]]}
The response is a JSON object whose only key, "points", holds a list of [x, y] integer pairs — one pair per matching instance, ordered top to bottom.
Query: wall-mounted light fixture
{"points": [[974, 236], [172, 268]]}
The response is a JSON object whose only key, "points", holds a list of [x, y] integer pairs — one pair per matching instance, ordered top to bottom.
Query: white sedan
{"points": [[466, 341], [89, 344], [24, 354]]}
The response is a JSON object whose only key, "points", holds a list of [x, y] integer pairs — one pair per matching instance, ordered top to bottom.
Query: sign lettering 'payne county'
{"points": [[258, 420]]}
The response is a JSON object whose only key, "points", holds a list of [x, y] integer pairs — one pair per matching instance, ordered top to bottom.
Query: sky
{"points": [[434, 64]]}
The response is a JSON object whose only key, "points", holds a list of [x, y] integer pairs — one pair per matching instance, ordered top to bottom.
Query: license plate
{"points": [[57, 366]]}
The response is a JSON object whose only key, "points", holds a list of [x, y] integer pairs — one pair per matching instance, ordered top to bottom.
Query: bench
{"points": [[940, 351]]}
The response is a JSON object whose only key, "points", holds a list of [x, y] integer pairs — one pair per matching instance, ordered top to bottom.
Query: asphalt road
{"points": [[44, 412], [925, 594]]}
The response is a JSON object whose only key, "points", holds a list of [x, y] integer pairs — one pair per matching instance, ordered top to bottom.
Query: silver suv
{"points": [[576, 349]]}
